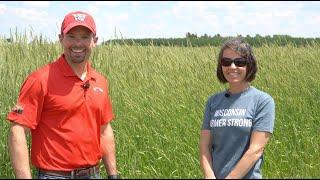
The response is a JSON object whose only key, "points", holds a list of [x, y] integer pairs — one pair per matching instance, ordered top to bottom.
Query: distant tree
{"points": [[188, 35], [191, 35], [217, 35], [205, 36], [9, 40], [192, 40]]}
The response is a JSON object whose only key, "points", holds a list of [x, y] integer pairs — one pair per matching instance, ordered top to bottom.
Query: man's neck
{"points": [[80, 69]]}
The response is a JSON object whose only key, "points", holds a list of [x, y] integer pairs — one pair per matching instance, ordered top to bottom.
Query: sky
{"points": [[166, 19]]}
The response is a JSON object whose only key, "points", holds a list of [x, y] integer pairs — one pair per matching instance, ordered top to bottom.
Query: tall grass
{"points": [[158, 96]]}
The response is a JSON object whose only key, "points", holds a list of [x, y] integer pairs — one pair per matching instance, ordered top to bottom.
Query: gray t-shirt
{"points": [[231, 121]]}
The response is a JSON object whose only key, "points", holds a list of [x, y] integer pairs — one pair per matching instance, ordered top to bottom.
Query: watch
{"points": [[114, 176]]}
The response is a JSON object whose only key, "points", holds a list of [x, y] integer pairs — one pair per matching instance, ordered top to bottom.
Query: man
{"points": [[66, 107]]}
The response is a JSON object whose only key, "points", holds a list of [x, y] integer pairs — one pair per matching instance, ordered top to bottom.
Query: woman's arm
{"points": [[258, 142], [205, 154]]}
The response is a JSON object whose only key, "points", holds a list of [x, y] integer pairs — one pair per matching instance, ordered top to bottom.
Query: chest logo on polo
{"points": [[97, 89]]}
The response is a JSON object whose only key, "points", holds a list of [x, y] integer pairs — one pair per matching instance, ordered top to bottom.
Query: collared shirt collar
{"points": [[68, 71]]}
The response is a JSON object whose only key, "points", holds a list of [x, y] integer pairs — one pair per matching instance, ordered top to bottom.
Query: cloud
{"points": [[108, 3], [135, 3], [36, 4], [96, 7], [3, 8], [194, 8], [93, 9], [184, 9], [31, 15], [201, 16], [117, 17], [230, 18], [144, 19], [313, 20], [106, 23], [153, 29]]}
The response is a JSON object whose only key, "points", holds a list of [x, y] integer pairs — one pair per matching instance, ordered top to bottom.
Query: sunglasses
{"points": [[240, 62]]}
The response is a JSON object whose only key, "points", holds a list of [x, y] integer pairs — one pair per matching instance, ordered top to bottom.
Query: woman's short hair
{"points": [[244, 49]]}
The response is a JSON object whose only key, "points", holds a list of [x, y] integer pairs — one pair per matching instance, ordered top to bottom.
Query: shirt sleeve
{"points": [[30, 103], [107, 114], [265, 115], [206, 118]]}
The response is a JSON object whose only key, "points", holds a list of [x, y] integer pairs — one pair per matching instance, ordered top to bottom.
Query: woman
{"points": [[237, 122]]}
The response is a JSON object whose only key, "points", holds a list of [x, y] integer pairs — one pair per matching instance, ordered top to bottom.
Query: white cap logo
{"points": [[79, 17]]}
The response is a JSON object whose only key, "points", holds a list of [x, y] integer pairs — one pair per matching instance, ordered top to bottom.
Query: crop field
{"points": [[158, 96]]}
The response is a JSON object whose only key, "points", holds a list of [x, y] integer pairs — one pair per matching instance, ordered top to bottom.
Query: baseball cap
{"points": [[78, 18]]}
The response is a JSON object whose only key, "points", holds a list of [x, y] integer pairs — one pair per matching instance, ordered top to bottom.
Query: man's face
{"points": [[77, 44]]}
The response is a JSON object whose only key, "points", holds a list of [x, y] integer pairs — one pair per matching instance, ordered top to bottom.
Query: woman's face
{"points": [[236, 72]]}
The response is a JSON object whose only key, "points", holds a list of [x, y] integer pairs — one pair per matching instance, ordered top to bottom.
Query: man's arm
{"points": [[257, 144], [18, 150], [109, 151], [205, 154]]}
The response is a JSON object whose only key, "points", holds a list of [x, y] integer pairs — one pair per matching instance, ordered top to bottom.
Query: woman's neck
{"points": [[237, 88]]}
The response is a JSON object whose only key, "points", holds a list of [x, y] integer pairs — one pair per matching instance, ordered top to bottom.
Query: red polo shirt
{"points": [[64, 115]]}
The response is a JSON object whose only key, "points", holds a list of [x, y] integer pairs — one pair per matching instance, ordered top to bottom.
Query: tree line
{"points": [[194, 40]]}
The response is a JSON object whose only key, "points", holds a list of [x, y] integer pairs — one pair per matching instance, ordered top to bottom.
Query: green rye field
{"points": [[159, 94]]}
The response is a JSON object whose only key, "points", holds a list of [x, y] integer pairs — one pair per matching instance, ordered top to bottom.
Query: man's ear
{"points": [[60, 37], [95, 40]]}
